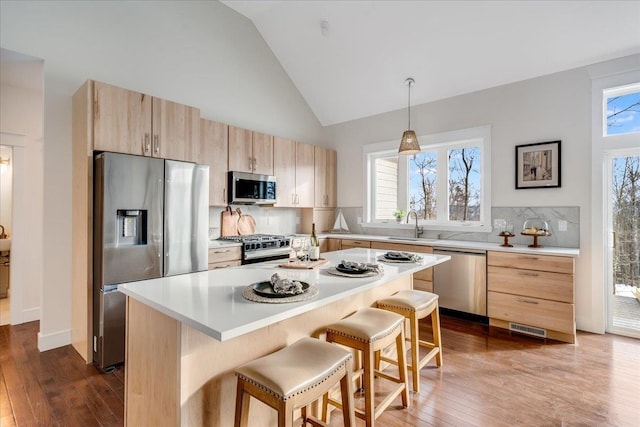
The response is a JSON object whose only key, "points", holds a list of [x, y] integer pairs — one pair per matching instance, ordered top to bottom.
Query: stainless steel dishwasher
{"points": [[461, 283]]}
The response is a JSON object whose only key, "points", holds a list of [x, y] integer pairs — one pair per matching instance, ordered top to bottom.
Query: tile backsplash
{"points": [[515, 215], [269, 220]]}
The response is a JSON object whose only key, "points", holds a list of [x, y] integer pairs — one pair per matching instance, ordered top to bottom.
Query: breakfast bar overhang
{"points": [[186, 334]]}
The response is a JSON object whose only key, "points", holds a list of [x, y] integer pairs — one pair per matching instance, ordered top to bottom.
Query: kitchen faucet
{"points": [[418, 230], [2, 234]]}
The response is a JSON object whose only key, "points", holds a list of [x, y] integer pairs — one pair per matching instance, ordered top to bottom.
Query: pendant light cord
{"points": [[409, 103]]}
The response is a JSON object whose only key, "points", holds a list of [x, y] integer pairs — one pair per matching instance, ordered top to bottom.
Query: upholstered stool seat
{"points": [[415, 305], [371, 330], [293, 378]]}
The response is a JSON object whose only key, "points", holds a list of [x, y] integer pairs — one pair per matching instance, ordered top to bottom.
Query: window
{"points": [[622, 110], [447, 184]]}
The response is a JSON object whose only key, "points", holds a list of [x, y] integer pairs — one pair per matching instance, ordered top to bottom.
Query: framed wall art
{"points": [[538, 165]]}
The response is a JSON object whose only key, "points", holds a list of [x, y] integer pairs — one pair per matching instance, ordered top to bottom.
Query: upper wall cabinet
{"points": [[130, 122], [214, 148], [250, 152], [293, 167], [325, 178]]}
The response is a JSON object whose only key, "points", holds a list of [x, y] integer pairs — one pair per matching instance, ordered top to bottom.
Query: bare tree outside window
{"points": [[623, 114], [464, 184], [422, 194], [626, 220]]}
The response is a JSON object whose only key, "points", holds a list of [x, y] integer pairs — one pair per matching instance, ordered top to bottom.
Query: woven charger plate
{"points": [[398, 261], [335, 272], [247, 293]]}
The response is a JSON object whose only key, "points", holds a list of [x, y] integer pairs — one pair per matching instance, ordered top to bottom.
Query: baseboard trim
{"points": [[30, 315], [54, 340]]}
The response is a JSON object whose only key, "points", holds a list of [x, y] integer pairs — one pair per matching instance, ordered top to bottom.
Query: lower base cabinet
{"points": [[223, 257], [532, 294]]}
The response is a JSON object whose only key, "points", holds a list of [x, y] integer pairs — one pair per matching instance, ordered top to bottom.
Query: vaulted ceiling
{"points": [[349, 59]]}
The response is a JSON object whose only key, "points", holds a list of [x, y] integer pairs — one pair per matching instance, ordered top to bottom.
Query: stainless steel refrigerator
{"points": [[151, 219]]}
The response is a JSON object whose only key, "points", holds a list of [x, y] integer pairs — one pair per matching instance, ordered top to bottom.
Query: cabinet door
{"points": [[121, 120], [176, 131], [214, 145], [240, 152], [262, 153], [284, 168], [320, 174], [304, 175], [331, 186], [334, 245]]}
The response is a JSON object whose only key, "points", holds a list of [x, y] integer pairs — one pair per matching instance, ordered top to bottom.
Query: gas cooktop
{"points": [[261, 247]]}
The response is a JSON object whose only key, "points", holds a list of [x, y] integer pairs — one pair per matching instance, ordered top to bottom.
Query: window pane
{"points": [[623, 114], [422, 184], [464, 184], [386, 187]]}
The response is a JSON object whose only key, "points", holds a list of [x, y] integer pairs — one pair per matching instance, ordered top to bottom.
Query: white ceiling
{"points": [[359, 66]]}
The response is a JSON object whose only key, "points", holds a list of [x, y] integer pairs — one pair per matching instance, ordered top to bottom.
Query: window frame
{"points": [[440, 142]]}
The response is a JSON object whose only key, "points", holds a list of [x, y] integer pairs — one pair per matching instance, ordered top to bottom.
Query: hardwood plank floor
{"points": [[490, 378]]}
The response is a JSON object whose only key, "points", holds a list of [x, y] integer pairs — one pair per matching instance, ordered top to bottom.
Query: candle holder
{"points": [[505, 233]]}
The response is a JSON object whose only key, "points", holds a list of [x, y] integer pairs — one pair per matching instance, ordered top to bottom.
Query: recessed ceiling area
{"points": [[357, 66]]}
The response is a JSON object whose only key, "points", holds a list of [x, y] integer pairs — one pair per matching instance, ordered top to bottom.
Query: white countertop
{"points": [[222, 243], [461, 244], [212, 302]]}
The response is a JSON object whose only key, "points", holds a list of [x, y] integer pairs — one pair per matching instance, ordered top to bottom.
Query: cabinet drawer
{"points": [[349, 243], [227, 253], [223, 264], [557, 264], [538, 284], [422, 285], [557, 316]]}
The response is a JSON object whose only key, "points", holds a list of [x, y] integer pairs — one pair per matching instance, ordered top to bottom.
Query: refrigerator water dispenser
{"points": [[132, 227]]}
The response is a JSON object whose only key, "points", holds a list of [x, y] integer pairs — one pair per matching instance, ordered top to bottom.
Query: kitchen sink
{"points": [[409, 239]]}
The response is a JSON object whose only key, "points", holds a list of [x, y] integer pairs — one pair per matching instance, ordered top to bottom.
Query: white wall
{"points": [[198, 53], [548, 108], [21, 114]]}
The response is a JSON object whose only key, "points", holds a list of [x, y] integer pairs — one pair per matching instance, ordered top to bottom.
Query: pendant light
{"points": [[409, 143]]}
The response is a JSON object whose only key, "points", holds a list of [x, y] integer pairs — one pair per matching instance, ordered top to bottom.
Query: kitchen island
{"points": [[186, 334]]}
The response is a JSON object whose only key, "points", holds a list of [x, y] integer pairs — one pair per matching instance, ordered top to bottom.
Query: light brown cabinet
{"points": [[130, 122], [214, 147], [250, 152], [293, 166], [325, 171], [353, 243], [224, 257], [423, 279], [532, 294]]}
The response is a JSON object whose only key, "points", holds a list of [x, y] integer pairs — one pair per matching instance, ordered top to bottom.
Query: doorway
{"points": [[6, 231], [623, 249]]}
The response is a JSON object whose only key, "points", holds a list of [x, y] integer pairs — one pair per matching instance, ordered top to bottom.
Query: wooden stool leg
{"points": [[435, 325], [415, 353], [402, 367], [346, 389], [242, 405], [369, 409], [285, 414]]}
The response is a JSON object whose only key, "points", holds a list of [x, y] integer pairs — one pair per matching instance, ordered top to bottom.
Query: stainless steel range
{"points": [[261, 247]]}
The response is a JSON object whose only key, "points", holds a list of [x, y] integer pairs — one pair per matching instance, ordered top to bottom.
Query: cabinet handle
{"points": [[147, 144], [156, 144], [250, 163], [254, 164], [224, 195], [293, 199], [297, 199], [224, 251], [529, 257], [221, 266], [526, 273], [527, 301]]}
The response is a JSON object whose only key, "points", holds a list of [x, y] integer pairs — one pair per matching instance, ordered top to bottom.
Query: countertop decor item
{"points": [[409, 143], [538, 165], [535, 227], [506, 231], [304, 265]]}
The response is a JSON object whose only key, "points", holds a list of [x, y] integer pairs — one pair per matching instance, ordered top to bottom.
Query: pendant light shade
{"points": [[409, 143]]}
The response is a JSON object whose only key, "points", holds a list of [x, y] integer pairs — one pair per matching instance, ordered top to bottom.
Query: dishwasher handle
{"points": [[446, 251]]}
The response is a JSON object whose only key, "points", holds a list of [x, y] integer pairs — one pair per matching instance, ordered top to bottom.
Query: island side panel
{"points": [[152, 359], [207, 365]]}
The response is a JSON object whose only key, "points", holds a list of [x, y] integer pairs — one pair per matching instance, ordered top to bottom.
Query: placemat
{"points": [[304, 265], [335, 272], [247, 293]]}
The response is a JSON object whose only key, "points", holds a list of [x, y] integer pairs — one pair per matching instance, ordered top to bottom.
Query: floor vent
{"points": [[529, 330]]}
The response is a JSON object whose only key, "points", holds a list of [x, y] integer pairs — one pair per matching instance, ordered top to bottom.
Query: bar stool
{"points": [[415, 305], [371, 330], [293, 378]]}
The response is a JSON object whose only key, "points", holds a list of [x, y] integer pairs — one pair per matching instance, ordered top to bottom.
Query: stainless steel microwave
{"points": [[250, 188]]}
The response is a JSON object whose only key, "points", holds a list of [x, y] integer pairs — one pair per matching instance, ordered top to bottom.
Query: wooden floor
{"points": [[489, 378]]}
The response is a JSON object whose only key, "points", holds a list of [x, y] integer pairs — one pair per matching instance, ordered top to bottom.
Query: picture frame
{"points": [[538, 165]]}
